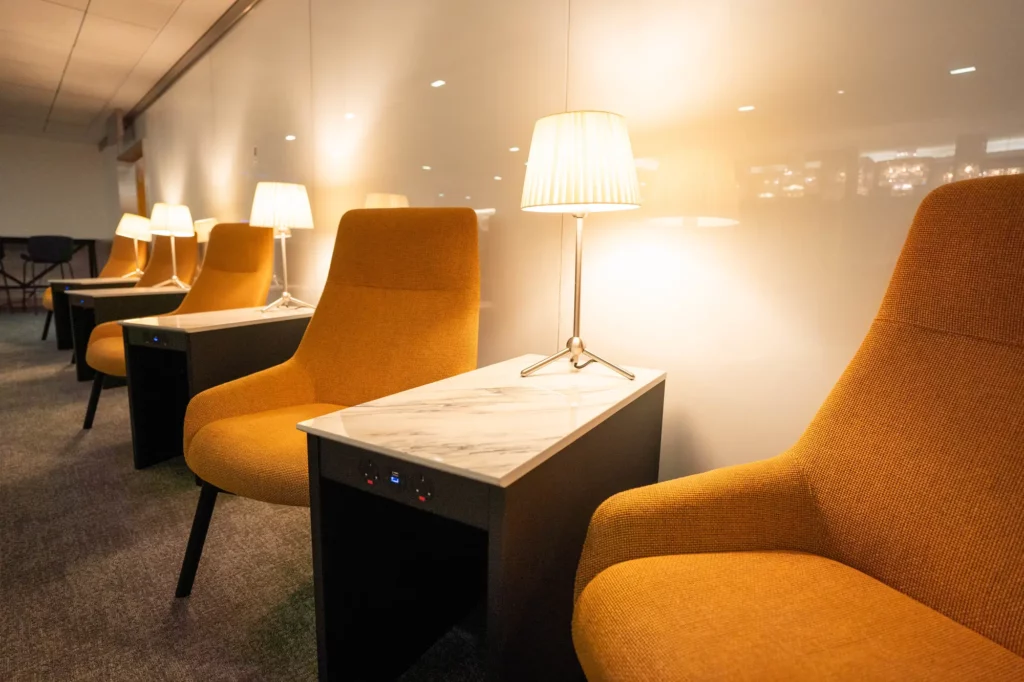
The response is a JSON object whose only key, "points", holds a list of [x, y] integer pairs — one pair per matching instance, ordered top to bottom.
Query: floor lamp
{"points": [[580, 162], [282, 206], [172, 220], [136, 228]]}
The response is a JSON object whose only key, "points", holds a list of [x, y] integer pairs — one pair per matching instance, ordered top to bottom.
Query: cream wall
{"points": [[52, 187], [753, 322]]}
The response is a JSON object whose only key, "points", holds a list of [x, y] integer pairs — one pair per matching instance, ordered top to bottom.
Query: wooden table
{"points": [[60, 289], [96, 306], [172, 358], [475, 491]]}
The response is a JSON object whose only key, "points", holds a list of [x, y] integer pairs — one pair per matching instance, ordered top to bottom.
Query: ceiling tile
{"points": [[76, 4], [148, 13], [43, 22], [106, 52], [33, 74], [19, 101], [76, 109]]}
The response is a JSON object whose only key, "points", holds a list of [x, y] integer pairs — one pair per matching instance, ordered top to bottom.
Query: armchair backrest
{"points": [[122, 259], [159, 268], [236, 272], [400, 307], [916, 459]]}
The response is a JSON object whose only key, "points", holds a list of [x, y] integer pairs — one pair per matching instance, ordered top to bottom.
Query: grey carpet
{"points": [[90, 551]]}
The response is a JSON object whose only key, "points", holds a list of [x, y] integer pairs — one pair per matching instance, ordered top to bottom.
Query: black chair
{"points": [[50, 251], [7, 278]]}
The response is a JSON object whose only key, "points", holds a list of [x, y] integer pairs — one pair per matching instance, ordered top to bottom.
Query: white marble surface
{"points": [[94, 280], [128, 291], [217, 319], [490, 424]]}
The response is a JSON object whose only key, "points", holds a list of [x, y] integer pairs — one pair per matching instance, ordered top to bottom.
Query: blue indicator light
{"points": [[156, 340], [395, 478]]}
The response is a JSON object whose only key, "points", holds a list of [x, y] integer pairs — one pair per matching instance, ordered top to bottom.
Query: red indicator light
{"points": [[369, 481], [422, 498]]}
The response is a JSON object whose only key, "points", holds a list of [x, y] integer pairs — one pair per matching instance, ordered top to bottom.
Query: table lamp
{"points": [[580, 162], [379, 200], [283, 206], [172, 220], [136, 228], [203, 228]]}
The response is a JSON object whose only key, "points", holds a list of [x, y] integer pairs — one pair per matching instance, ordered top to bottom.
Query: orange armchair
{"points": [[120, 262], [237, 272], [400, 308], [888, 543]]}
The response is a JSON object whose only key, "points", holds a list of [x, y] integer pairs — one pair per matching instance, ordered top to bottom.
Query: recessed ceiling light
{"points": [[966, 69], [437, 84], [840, 92], [748, 107], [350, 116], [290, 138], [513, 149], [425, 167], [497, 177], [440, 194], [468, 197]]}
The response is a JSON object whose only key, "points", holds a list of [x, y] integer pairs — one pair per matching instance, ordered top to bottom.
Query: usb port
{"points": [[396, 478]]}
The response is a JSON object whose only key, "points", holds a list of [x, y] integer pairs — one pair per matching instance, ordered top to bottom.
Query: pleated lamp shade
{"points": [[580, 162], [378, 200], [281, 205], [171, 220], [133, 227], [203, 229]]}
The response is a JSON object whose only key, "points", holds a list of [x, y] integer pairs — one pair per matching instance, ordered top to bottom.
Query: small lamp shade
{"points": [[580, 162], [386, 201], [281, 205], [171, 220], [133, 227], [203, 228]]}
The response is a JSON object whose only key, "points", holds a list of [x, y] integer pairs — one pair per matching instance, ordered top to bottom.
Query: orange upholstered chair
{"points": [[120, 262], [237, 272], [400, 308], [888, 543]]}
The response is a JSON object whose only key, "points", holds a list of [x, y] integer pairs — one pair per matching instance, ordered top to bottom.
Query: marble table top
{"points": [[94, 280], [128, 291], [217, 319], [490, 424]]}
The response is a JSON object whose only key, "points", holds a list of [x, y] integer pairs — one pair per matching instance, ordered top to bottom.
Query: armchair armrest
{"points": [[283, 385], [758, 506]]}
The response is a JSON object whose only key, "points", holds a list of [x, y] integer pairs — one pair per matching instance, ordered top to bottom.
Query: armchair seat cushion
{"points": [[47, 299], [105, 352], [260, 455], [770, 615]]}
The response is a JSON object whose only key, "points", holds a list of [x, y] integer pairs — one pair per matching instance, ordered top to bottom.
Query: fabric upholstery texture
{"points": [[120, 262], [160, 266], [236, 274], [400, 309], [911, 473]]}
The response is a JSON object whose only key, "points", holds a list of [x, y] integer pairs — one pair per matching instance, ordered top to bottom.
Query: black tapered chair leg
{"points": [[46, 325], [94, 398], [196, 539]]}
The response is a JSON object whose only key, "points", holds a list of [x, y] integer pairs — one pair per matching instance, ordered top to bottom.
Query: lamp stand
{"points": [[137, 272], [173, 281], [286, 300], [574, 347]]}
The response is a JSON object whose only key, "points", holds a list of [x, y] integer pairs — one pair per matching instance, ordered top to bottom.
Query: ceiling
{"points": [[65, 65]]}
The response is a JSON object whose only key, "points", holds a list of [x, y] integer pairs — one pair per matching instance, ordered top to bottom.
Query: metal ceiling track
{"points": [[218, 30]]}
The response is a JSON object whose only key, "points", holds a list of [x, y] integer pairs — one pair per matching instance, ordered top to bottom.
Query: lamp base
{"points": [[134, 273], [173, 282], [287, 301], [575, 349]]}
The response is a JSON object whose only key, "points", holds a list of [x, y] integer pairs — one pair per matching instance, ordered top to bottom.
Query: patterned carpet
{"points": [[90, 551]]}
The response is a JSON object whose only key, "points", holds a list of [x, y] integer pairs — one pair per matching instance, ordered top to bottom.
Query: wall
{"points": [[856, 117], [52, 187]]}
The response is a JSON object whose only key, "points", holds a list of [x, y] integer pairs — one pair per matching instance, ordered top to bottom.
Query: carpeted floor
{"points": [[90, 551]]}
